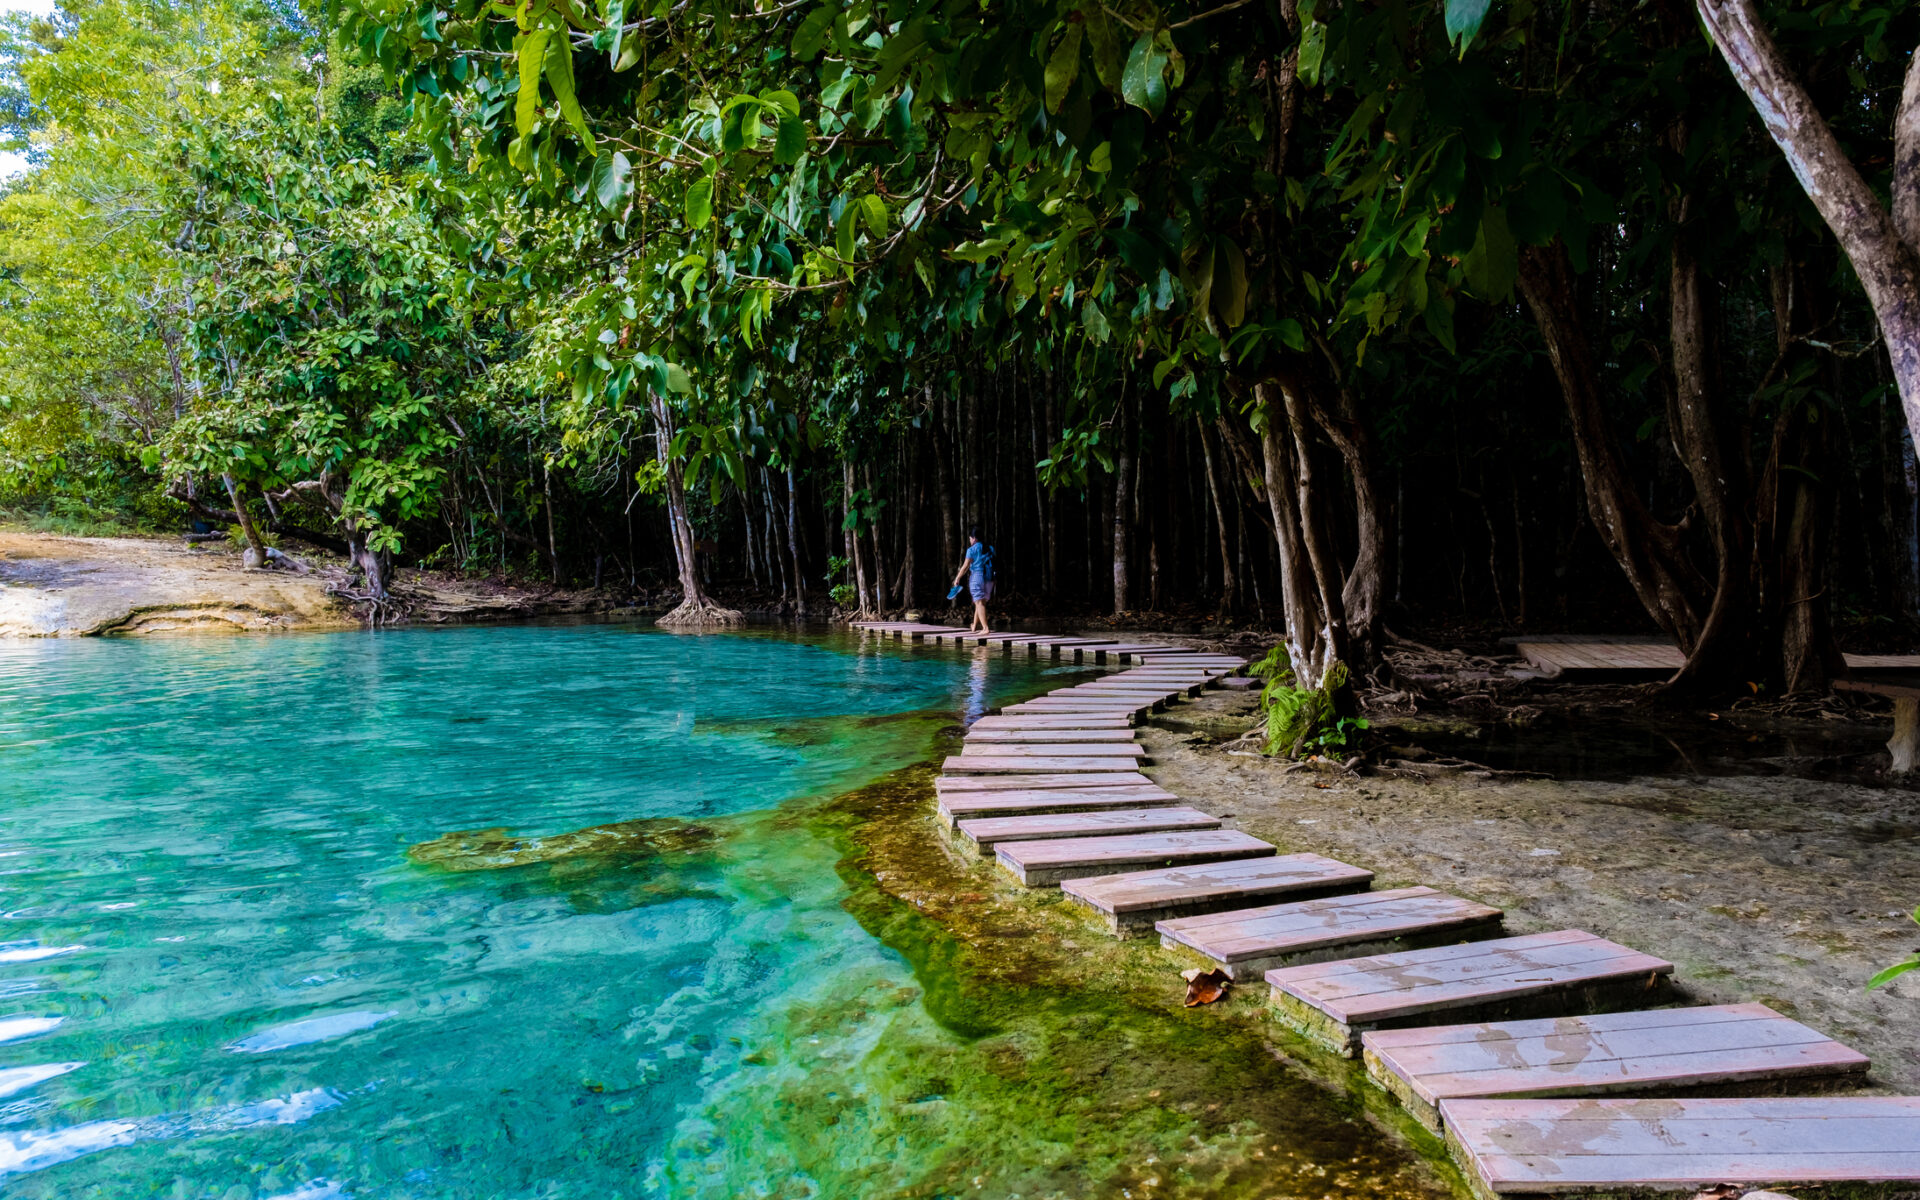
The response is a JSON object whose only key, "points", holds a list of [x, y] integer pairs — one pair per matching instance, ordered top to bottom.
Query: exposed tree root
{"points": [[695, 613]]}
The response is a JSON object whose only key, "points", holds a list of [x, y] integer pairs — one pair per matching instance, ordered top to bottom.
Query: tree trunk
{"points": [[1883, 246], [1122, 500], [850, 527], [793, 547], [1649, 551], [256, 553], [1229, 577], [880, 593], [694, 607], [1310, 636]]}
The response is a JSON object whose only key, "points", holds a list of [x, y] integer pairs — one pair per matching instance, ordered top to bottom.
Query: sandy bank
{"points": [[54, 586]]}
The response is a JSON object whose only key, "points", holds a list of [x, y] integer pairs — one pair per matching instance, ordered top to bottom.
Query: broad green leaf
{"points": [[1464, 18], [616, 20], [813, 32], [1105, 47], [1313, 50], [629, 56], [533, 57], [1063, 67], [560, 78], [1142, 84], [786, 102], [790, 141], [1102, 158], [611, 182], [699, 204], [875, 211], [845, 232], [1493, 265], [924, 269], [1198, 279], [1290, 334], [678, 381], [1892, 973]]}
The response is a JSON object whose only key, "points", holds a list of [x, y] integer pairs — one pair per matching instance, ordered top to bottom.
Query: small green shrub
{"points": [[844, 594], [1302, 721], [1898, 969]]}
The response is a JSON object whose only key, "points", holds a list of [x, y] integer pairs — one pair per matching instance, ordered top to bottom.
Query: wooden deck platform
{"points": [[1595, 658], [1068, 721], [948, 785], [961, 805], [987, 832], [1045, 863], [1246, 943], [1541, 974], [1668, 1050], [1622, 1147]]}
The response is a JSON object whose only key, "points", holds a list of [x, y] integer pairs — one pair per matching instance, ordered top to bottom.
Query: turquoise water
{"points": [[254, 942]]}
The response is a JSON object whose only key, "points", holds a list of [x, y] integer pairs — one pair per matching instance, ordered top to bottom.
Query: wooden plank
{"points": [[1108, 708], [1056, 721], [1120, 733], [971, 749], [969, 764], [946, 785], [961, 805], [987, 832], [1045, 863], [1133, 902], [1246, 943], [1539, 974], [1652, 1052], [1563, 1147]]}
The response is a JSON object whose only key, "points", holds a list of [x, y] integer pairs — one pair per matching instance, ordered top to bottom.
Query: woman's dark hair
{"points": [[973, 531]]}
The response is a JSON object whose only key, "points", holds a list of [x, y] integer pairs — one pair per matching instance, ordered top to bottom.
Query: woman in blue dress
{"points": [[978, 566]]}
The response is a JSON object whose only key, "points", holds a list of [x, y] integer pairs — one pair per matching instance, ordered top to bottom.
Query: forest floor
{"points": [[54, 586], [1760, 854]]}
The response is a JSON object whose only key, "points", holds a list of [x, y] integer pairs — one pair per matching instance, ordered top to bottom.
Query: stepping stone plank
{"points": [[1065, 721], [996, 736], [1055, 750], [988, 764], [945, 785], [960, 806], [987, 832], [1045, 863], [1133, 902], [1249, 942], [1540, 974], [1663, 1050], [1531, 1147]]}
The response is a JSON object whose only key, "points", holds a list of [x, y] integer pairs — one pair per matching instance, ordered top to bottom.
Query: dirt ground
{"points": [[53, 586], [1789, 891]]}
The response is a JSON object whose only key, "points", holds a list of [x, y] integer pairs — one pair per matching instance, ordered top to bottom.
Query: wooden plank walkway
{"points": [[1067, 721], [993, 735], [961, 805], [987, 832], [1044, 863], [1133, 902], [1246, 943], [1540, 974], [1658, 1052], [1578, 1147]]}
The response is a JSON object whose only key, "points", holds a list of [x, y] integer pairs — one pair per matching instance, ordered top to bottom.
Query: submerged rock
{"points": [[491, 849]]}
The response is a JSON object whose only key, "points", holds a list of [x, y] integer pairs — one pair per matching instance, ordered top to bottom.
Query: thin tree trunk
{"points": [[1122, 498], [793, 547], [256, 555], [1229, 576], [694, 608]]}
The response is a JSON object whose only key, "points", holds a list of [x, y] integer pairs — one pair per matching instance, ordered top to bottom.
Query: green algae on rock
{"points": [[495, 848]]}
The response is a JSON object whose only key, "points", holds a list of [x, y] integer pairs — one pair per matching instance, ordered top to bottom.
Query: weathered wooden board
{"points": [[1605, 656], [1085, 707], [1066, 721], [1119, 733], [973, 749], [983, 764], [945, 785], [962, 805], [987, 832], [1045, 863], [1133, 902], [1247, 943], [1539, 974], [1664, 1050], [1574, 1147]]}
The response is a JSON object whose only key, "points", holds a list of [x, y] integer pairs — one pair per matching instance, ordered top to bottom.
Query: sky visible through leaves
{"points": [[14, 163]]}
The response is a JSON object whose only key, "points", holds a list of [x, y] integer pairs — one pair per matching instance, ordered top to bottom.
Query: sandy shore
{"points": [[1784, 890]]}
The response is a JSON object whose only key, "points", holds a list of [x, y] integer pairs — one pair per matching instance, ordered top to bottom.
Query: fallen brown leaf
{"points": [[1205, 985]]}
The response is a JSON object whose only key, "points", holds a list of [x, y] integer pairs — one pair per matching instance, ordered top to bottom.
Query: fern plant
{"points": [[1303, 720]]}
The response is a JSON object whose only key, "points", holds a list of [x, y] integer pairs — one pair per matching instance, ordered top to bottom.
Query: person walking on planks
{"points": [[978, 563]]}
